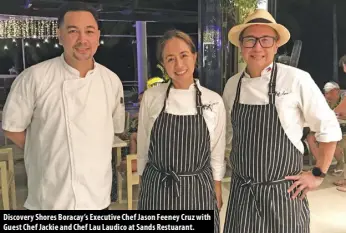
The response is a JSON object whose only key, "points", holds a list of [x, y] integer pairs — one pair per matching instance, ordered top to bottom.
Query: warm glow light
{"points": [[28, 27]]}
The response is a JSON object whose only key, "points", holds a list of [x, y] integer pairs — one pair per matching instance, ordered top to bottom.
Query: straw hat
{"points": [[261, 17]]}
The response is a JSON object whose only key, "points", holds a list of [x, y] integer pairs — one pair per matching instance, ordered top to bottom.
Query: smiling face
{"points": [[79, 35], [258, 57], [179, 61]]}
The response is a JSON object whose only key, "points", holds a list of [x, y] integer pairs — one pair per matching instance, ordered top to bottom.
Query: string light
{"points": [[27, 27], [31, 27], [2, 28], [54, 28], [41, 29], [47, 30], [102, 42], [38, 44]]}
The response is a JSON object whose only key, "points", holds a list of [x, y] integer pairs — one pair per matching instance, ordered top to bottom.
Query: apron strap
{"points": [[272, 85], [271, 89], [166, 97], [236, 101], [199, 105], [172, 179], [246, 182]]}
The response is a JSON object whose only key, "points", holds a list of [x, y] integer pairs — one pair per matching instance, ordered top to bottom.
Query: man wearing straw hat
{"points": [[267, 105]]}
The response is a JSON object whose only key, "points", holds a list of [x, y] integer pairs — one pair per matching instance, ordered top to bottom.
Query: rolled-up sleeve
{"points": [[20, 103], [119, 109], [318, 115], [143, 135], [218, 142]]}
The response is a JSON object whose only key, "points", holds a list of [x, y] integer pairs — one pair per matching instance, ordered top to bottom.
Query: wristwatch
{"points": [[316, 171]]}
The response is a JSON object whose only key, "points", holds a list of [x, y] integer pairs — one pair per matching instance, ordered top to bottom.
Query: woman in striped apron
{"points": [[268, 105], [181, 136]]}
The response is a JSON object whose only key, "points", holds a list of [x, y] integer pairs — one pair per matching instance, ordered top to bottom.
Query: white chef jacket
{"points": [[183, 102], [299, 103], [70, 124]]}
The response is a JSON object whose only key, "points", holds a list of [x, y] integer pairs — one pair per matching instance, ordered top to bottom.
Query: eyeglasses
{"points": [[265, 41]]}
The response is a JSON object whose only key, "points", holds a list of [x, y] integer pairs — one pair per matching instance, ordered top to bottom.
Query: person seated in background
{"points": [[158, 78], [333, 96], [340, 110], [134, 127], [306, 132], [131, 135]]}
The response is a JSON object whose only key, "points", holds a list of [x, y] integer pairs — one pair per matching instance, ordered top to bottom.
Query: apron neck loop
{"points": [[271, 89], [166, 96], [236, 101], [199, 105]]}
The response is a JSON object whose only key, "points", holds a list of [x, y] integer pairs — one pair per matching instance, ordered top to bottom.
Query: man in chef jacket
{"points": [[267, 105], [64, 113]]}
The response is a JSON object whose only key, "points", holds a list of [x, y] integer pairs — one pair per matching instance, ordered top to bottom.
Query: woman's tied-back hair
{"points": [[170, 35]]}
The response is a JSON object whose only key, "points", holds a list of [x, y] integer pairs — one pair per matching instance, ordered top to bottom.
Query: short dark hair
{"points": [[76, 6], [342, 61]]}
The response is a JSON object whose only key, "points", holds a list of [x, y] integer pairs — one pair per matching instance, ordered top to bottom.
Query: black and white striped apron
{"points": [[262, 155], [178, 175]]}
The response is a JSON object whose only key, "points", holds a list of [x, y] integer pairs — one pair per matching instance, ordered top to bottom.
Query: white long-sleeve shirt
{"points": [[183, 102], [299, 103], [70, 124]]}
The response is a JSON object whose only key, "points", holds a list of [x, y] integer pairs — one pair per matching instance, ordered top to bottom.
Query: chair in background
{"points": [[131, 178], [8, 187]]}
